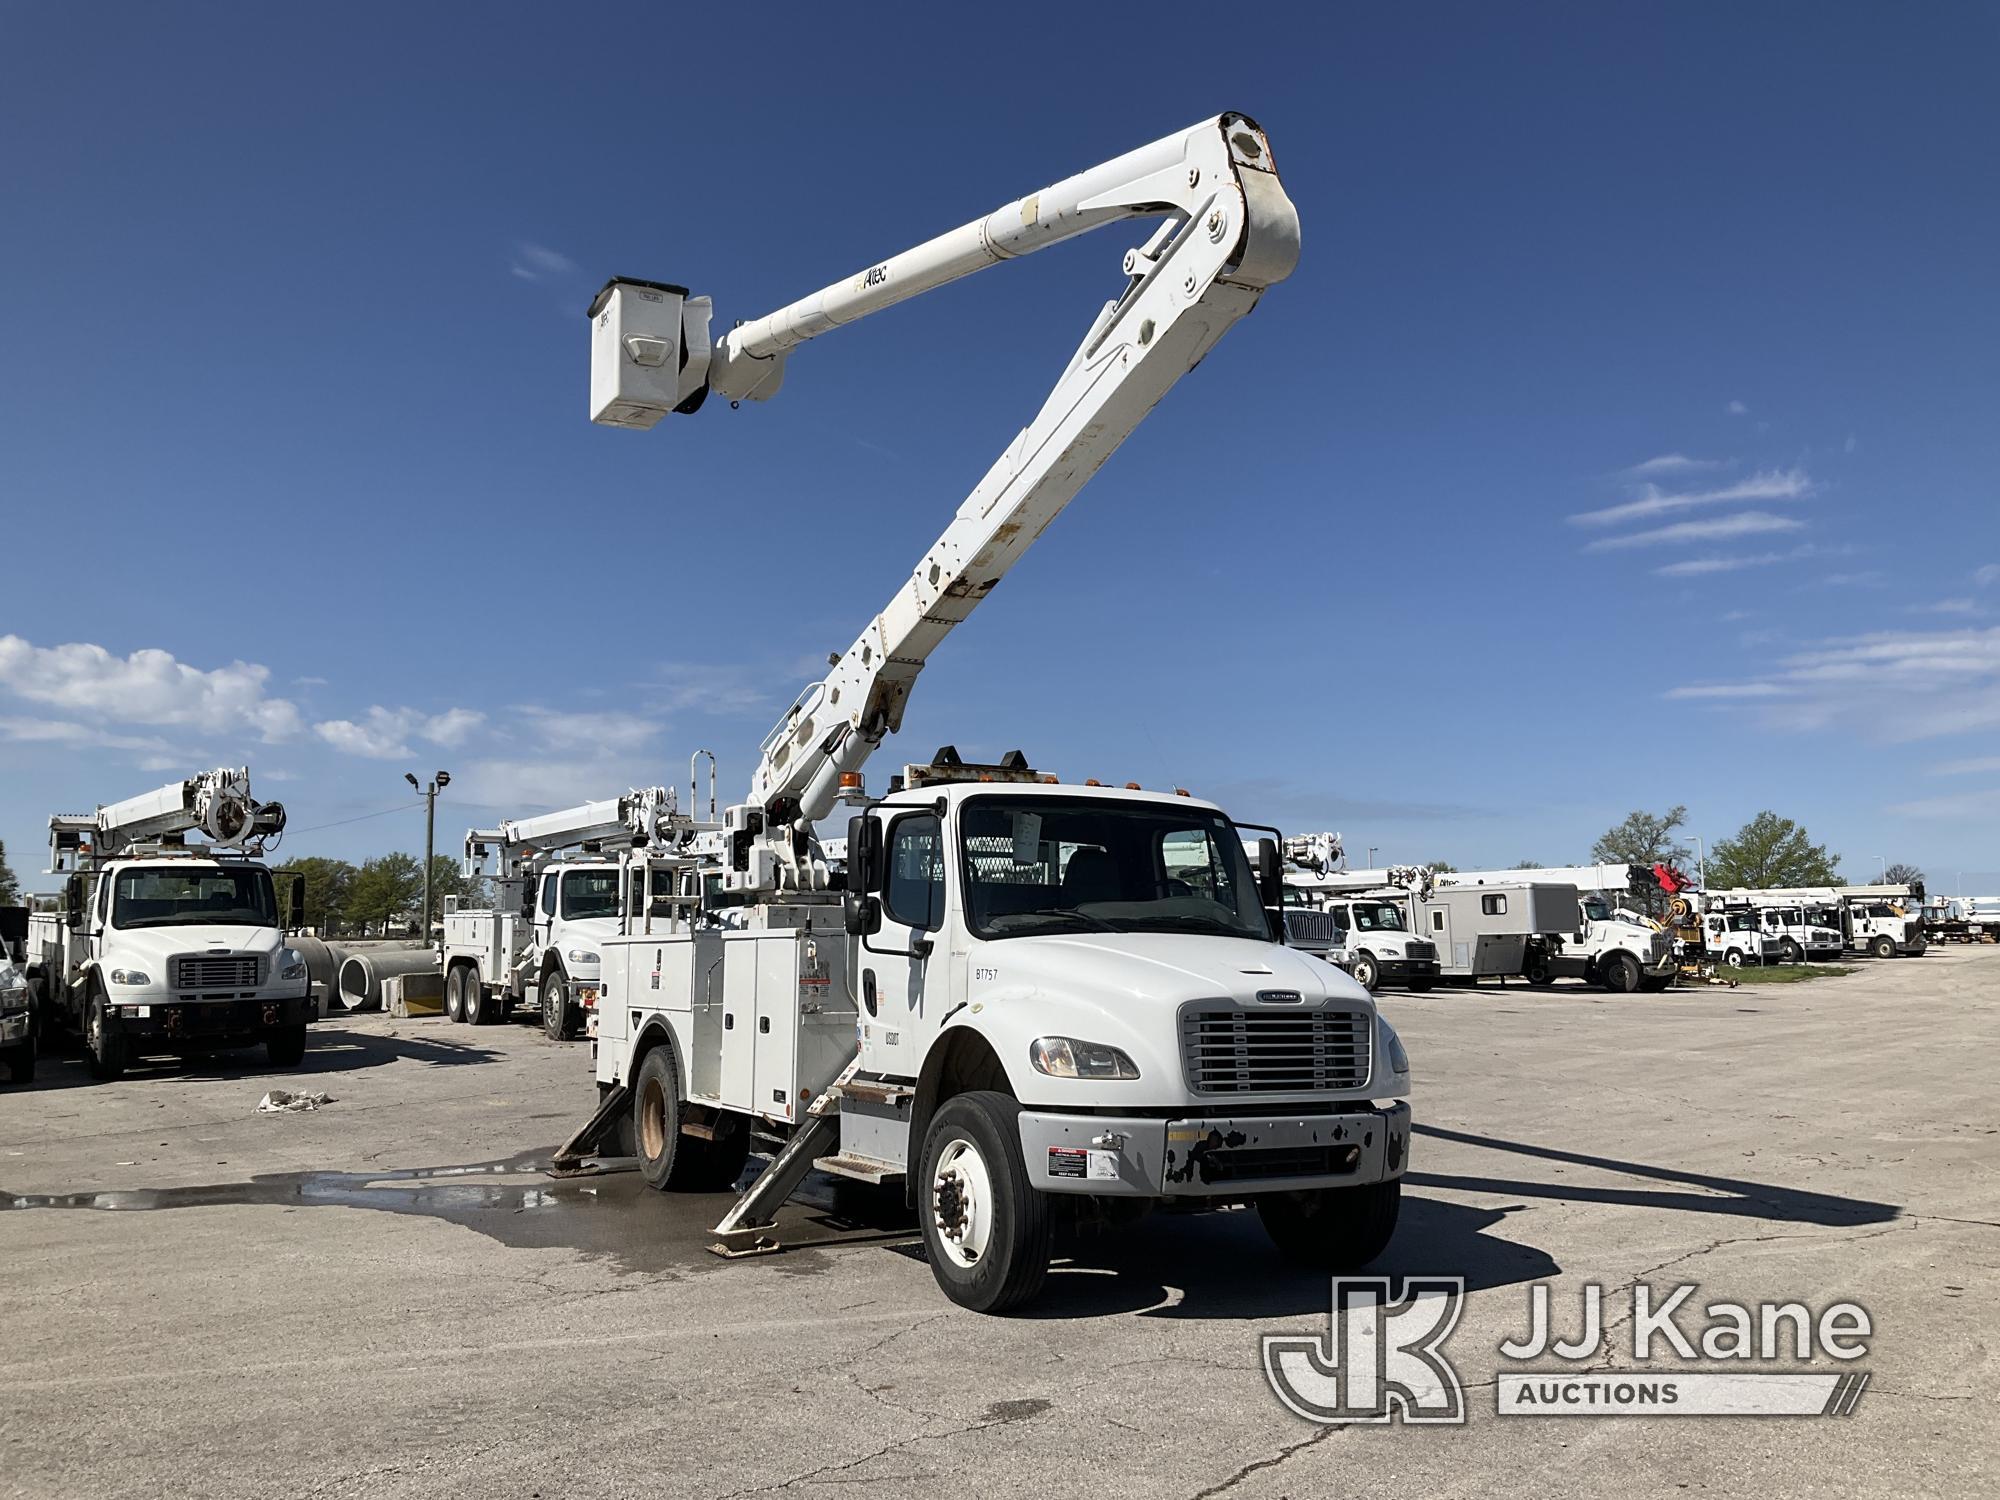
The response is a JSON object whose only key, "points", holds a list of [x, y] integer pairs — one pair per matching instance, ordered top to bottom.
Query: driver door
{"points": [[897, 964]]}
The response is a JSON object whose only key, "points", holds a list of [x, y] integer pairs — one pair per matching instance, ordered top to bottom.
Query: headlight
{"points": [[582, 956], [290, 965], [130, 976], [1392, 1048], [1066, 1057]]}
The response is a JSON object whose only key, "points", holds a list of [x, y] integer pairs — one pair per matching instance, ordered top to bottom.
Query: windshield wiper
{"points": [[1096, 924], [1213, 924]]}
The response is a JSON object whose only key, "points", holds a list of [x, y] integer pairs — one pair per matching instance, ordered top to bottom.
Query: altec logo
{"points": [[1382, 1359]]}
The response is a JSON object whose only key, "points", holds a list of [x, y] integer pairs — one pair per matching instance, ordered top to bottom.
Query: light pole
{"points": [[442, 780], [1371, 855], [1701, 863], [1885, 867]]}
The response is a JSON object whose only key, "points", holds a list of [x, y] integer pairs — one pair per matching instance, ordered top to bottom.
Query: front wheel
{"points": [[1883, 947], [1790, 952], [1734, 958], [1367, 973], [1620, 973], [555, 1005], [103, 1045], [287, 1045], [1333, 1229], [986, 1230]]}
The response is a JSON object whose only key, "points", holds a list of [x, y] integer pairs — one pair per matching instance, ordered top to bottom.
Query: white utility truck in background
{"points": [[559, 883], [1880, 920], [1802, 930], [1611, 944], [162, 945], [17, 1003], [1050, 1023]]}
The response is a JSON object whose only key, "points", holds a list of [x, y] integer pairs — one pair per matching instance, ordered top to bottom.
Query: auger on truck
{"points": [[561, 884], [169, 933], [1069, 1000]]}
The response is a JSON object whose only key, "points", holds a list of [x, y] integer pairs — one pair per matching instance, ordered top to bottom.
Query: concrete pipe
{"points": [[323, 962], [361, 975]]}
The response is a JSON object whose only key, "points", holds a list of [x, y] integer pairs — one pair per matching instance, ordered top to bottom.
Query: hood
{"points": [[148, 947], [1167, 968]]}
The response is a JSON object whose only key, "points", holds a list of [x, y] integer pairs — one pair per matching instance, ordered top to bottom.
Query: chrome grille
{"points": [[1305, 928], [235, 971], [1230, 1051]]}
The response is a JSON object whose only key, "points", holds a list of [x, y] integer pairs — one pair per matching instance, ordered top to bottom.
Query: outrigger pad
{"points": [[570, 1157]]}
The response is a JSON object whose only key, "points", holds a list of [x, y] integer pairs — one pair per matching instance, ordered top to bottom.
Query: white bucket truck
{"points": [[560, 882], [1880, 920], [162, 945], [1031, 999]]}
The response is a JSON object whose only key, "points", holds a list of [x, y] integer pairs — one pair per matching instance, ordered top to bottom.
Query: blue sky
{"points": [[1626, 436]]}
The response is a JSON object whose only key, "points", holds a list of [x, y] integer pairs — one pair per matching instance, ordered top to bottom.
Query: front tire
{"points": [[1883, 947], [1789, 952], [1734, 958], [1367, 973], [1620, 973], [554, 994], [287, 1045], [103, 1046], [1333, 1229], [986, 1230]]}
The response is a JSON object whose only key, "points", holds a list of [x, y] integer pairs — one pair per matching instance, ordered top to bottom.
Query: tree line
{"points": [[378, 894]]}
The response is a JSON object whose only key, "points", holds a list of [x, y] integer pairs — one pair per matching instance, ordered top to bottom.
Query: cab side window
{"points": [[549, 893], [914, 895]]}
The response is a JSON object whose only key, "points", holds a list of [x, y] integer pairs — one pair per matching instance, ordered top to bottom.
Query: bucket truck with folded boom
{"points": [[160, 944], [1032, 999]]}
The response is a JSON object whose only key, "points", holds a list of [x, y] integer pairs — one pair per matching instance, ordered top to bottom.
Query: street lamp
{"points": [[430, 794], [1371, 855], [1701, 866], [1885, 867]]}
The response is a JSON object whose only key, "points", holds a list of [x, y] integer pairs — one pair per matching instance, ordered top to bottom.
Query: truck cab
{"points": [[577, 905], [1884, 928], [1804, 932], [1735, 936], [1379, 944], [1612, 946], [172, 953]]}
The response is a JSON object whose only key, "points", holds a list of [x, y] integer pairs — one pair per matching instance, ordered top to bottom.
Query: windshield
{"points": [[1061, 864], [589, 893], [194, 895], [1596, 909], [1378, 916], [1742, 921]]}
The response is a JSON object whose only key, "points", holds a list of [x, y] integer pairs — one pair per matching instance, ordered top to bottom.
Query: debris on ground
{"points": [[281, 1101]]}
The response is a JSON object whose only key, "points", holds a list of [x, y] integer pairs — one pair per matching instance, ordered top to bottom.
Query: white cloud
{"points": [[534, 262], [1736, 409], [1850, 445], [1676, 463], [1766, 484], [1744, 523], [1694, 567], [1990, 573], [1867, 578], [1959, 606], [308, 682], [1892, 686], [147, 687], [717, 689], [385, 733], [608, 733], [77, 736], [1978, 765], [1969, 805]]}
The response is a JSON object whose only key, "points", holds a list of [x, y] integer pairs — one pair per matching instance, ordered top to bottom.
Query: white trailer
{"points": [[561, 884], [1488, 931], [1612, 944], [161, 945], [1049, 1022]]}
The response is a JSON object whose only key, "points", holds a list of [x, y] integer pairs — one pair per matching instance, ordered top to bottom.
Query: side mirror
{"points": [[864, 855], [1270, 872], [291, 888], [73, 899], [860, 911]]}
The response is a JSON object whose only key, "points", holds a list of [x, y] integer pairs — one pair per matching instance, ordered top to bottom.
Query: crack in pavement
{"points": [[1272, 1462]]}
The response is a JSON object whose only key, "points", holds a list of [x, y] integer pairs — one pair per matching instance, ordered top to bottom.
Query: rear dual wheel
{"points": [[465, 998], [668, 1157]]}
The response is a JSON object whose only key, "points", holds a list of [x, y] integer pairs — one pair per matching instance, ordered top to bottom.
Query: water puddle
{"points": [[610, 1214]]}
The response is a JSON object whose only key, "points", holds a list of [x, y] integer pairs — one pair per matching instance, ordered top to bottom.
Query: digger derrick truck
{"points": [[560, 882], [169, 933], [1032, 1000]]}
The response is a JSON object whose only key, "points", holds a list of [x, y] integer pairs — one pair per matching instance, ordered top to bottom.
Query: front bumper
{"points": [[176, 1021], [1215, 1156]]}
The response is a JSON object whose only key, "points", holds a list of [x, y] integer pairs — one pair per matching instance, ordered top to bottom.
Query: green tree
{"points": [[1644, 839], [1770, 851], [1531, 864], [1442, 868], [1901, 874], [448, 878], [328, 884], [10, 886], [385, 889]]}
